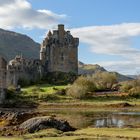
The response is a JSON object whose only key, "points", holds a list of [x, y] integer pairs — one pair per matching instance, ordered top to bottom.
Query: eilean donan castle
{"points": [[58, 53]]}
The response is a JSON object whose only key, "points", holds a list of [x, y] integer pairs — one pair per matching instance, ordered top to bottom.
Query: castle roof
{"points": [[49, 34]]}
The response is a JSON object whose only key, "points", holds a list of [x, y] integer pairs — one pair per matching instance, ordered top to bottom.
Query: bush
{"points": [[59, 78], [104, 80], [100, 81], [24, 82], [86, 82], [126, 86], [81, 87], [131, 87], [61, 92], [77, 92], [134, 92], [48, 97]]}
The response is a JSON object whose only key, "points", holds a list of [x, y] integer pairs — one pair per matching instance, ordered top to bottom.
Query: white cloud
{"points": [[19, 13], [111, 40], [115, 40], [124, 67]]}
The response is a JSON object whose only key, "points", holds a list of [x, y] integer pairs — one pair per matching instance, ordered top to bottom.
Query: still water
{"points": [[83, 119]]}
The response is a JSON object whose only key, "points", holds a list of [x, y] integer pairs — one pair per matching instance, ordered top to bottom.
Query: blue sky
{"points": [[109, 30]]}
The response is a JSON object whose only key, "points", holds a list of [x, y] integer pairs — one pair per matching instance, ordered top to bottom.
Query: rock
{"points": [[121, 105], [16, 118], [38, 123]]}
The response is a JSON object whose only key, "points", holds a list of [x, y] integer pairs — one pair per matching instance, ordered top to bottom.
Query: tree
{"points": [[105, 80]]}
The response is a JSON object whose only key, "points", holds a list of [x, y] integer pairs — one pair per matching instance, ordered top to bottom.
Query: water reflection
{"points": [[120, 119], [109, 122]]}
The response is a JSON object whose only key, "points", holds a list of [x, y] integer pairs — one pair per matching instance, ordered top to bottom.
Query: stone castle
{"points": [[58, 53]]}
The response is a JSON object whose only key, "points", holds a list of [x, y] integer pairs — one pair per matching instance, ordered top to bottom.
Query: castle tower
{"points": [[61, 33], [59, 51]]}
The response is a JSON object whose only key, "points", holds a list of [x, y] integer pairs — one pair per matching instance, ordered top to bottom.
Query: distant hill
{"points": [[12, 43], [89, 69], [134, 76]]}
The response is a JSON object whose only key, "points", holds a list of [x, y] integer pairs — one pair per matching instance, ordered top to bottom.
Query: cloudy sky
{"points": [[109, 30]]}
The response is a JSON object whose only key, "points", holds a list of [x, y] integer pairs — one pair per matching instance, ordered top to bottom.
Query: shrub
{"points": [[59, 78], [104, 80], [24, 82], [86, 82], [85, 85], [126, 86], [81, 87], [131, 87], [61, 92], [77, 92], [134, 92], [48, 97]]}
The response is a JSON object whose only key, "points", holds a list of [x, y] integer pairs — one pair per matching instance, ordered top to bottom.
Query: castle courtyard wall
{"points": [[3, 79]]}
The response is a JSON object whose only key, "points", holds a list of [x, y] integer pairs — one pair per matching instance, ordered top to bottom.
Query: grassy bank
{"points": [[51, 96], [87, 134]]}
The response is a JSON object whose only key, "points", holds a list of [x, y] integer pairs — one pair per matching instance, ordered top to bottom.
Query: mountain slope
{"points": [[12, 43], [89, 69]]}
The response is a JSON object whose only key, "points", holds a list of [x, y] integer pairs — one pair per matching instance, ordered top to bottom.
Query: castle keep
{"points": [[58, 53]]}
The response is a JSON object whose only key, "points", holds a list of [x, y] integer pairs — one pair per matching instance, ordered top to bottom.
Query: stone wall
{"points": [[21, 69], [3, 82]]}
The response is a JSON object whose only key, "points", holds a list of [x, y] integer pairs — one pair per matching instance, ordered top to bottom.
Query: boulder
{"points": [[38, 123]]}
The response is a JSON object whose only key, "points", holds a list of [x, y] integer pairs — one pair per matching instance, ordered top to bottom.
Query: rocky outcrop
{"points": [[38, 123]]}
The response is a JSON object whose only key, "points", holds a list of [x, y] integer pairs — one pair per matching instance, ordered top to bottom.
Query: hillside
{"points": [[12, 43], [89, 69]]}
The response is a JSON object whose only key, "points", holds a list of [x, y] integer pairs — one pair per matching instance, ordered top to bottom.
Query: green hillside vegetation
{"points": [[12, 43], [85, 69], [90, 69]]}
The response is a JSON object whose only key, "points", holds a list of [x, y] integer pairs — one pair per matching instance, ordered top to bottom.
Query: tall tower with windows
{"points": [[59, 51]]}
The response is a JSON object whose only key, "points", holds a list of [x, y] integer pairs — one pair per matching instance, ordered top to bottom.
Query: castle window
{"points": [[57, 41], [62, 56]]}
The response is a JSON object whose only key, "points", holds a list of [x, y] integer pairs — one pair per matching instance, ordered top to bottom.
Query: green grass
{"points": [[43, 88], [43, 92], [42, 95], [111, 132], [87, 134], [11, 138]]}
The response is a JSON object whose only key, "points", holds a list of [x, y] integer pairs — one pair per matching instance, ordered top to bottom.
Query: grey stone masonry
{"points": [[59, 51], [3, 79]]}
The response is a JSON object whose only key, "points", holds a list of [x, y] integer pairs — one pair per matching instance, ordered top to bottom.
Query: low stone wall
{"points": [[2, 95]]}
